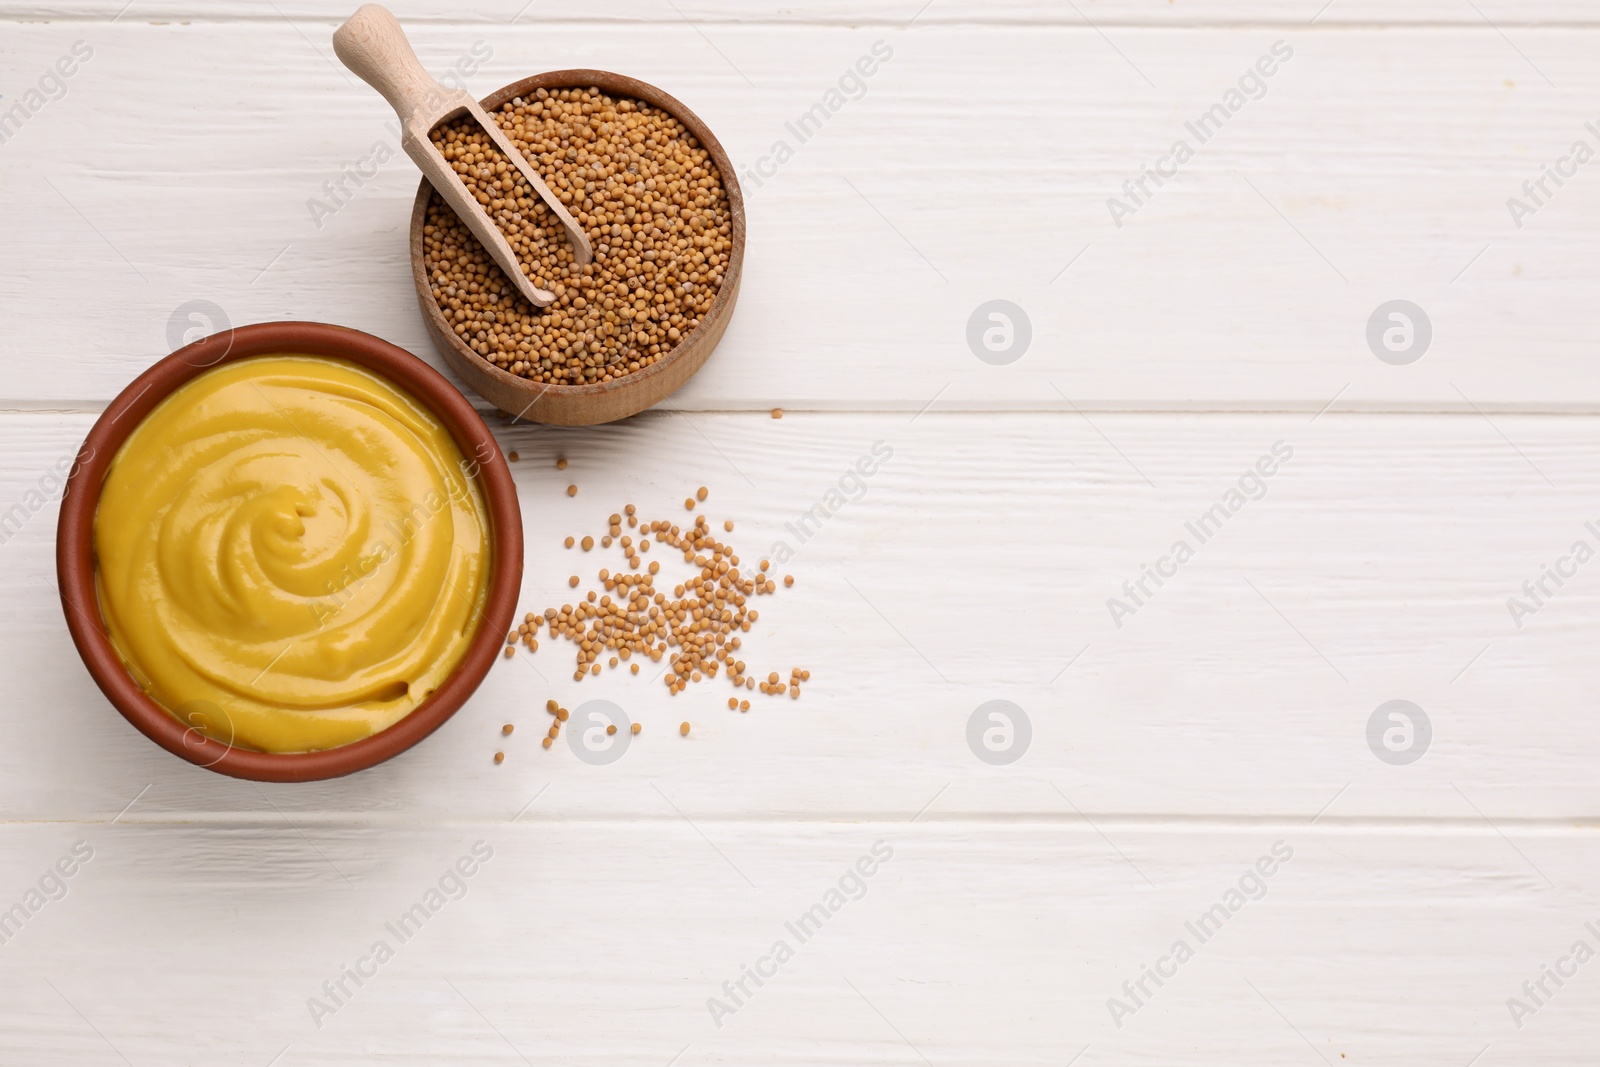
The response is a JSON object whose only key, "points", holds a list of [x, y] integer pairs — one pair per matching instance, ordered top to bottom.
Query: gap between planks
{"points": [[498, 421], [1325, 825]]}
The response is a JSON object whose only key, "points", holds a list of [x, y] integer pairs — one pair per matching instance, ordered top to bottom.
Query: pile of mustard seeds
{"points": [[639, 184], [696, 627]]}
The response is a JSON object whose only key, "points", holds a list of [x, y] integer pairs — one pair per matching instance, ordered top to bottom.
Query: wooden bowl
{"points": [[586, 405], [75, 562]]}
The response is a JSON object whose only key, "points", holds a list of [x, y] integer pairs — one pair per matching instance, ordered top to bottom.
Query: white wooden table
{"points": [[1174, 741]]}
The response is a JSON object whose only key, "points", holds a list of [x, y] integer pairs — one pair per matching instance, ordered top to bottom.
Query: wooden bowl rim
{"points": [[619, 85], [75, 563]]}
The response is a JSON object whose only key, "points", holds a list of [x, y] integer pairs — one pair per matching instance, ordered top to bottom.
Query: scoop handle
{"points": [[372, 44]]}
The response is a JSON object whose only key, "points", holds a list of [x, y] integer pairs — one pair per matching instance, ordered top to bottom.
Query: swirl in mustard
{"points": [[293, 553]]}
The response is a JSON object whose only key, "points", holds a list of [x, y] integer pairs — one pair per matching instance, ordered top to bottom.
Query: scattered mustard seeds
{"points": [[643, 189], [696, 629]]}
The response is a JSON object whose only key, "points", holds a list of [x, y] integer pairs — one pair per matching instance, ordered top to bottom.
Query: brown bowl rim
{"points": [[621, 85], [75, 563]]}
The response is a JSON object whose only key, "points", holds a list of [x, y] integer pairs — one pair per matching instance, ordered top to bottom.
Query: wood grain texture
{"points": [[1103, 13], [1377, 166], [975, 564], [1227, 713], [601, 943], [970, 943]]}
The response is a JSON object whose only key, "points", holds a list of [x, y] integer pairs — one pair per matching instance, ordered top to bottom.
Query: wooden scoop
{"points": [[372, 44]]}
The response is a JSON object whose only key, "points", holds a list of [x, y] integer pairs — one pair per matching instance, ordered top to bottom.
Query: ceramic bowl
{"points": [[75, 562]]}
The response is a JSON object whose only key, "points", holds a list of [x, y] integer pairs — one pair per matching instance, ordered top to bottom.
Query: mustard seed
{"points": [[644, 190], [777, 413], [514, 457], [561, 463], [572, 490], [701, 493], [688, 504], [728, 525], [570, 542], [588, 542], [788, 580], [573, 581], [510, 651], [562, 714], [635, 727], [507, 728], [611, 728], [683, 729], [546, 742], [499, 757]]}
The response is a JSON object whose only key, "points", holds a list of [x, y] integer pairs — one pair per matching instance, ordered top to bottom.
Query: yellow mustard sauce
{"points": [[292, 553]]}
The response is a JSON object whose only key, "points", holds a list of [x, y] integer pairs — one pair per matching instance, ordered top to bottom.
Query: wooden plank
{"points": [[1100, 13], [1247, 284], [977, 563], [973, 942]]}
